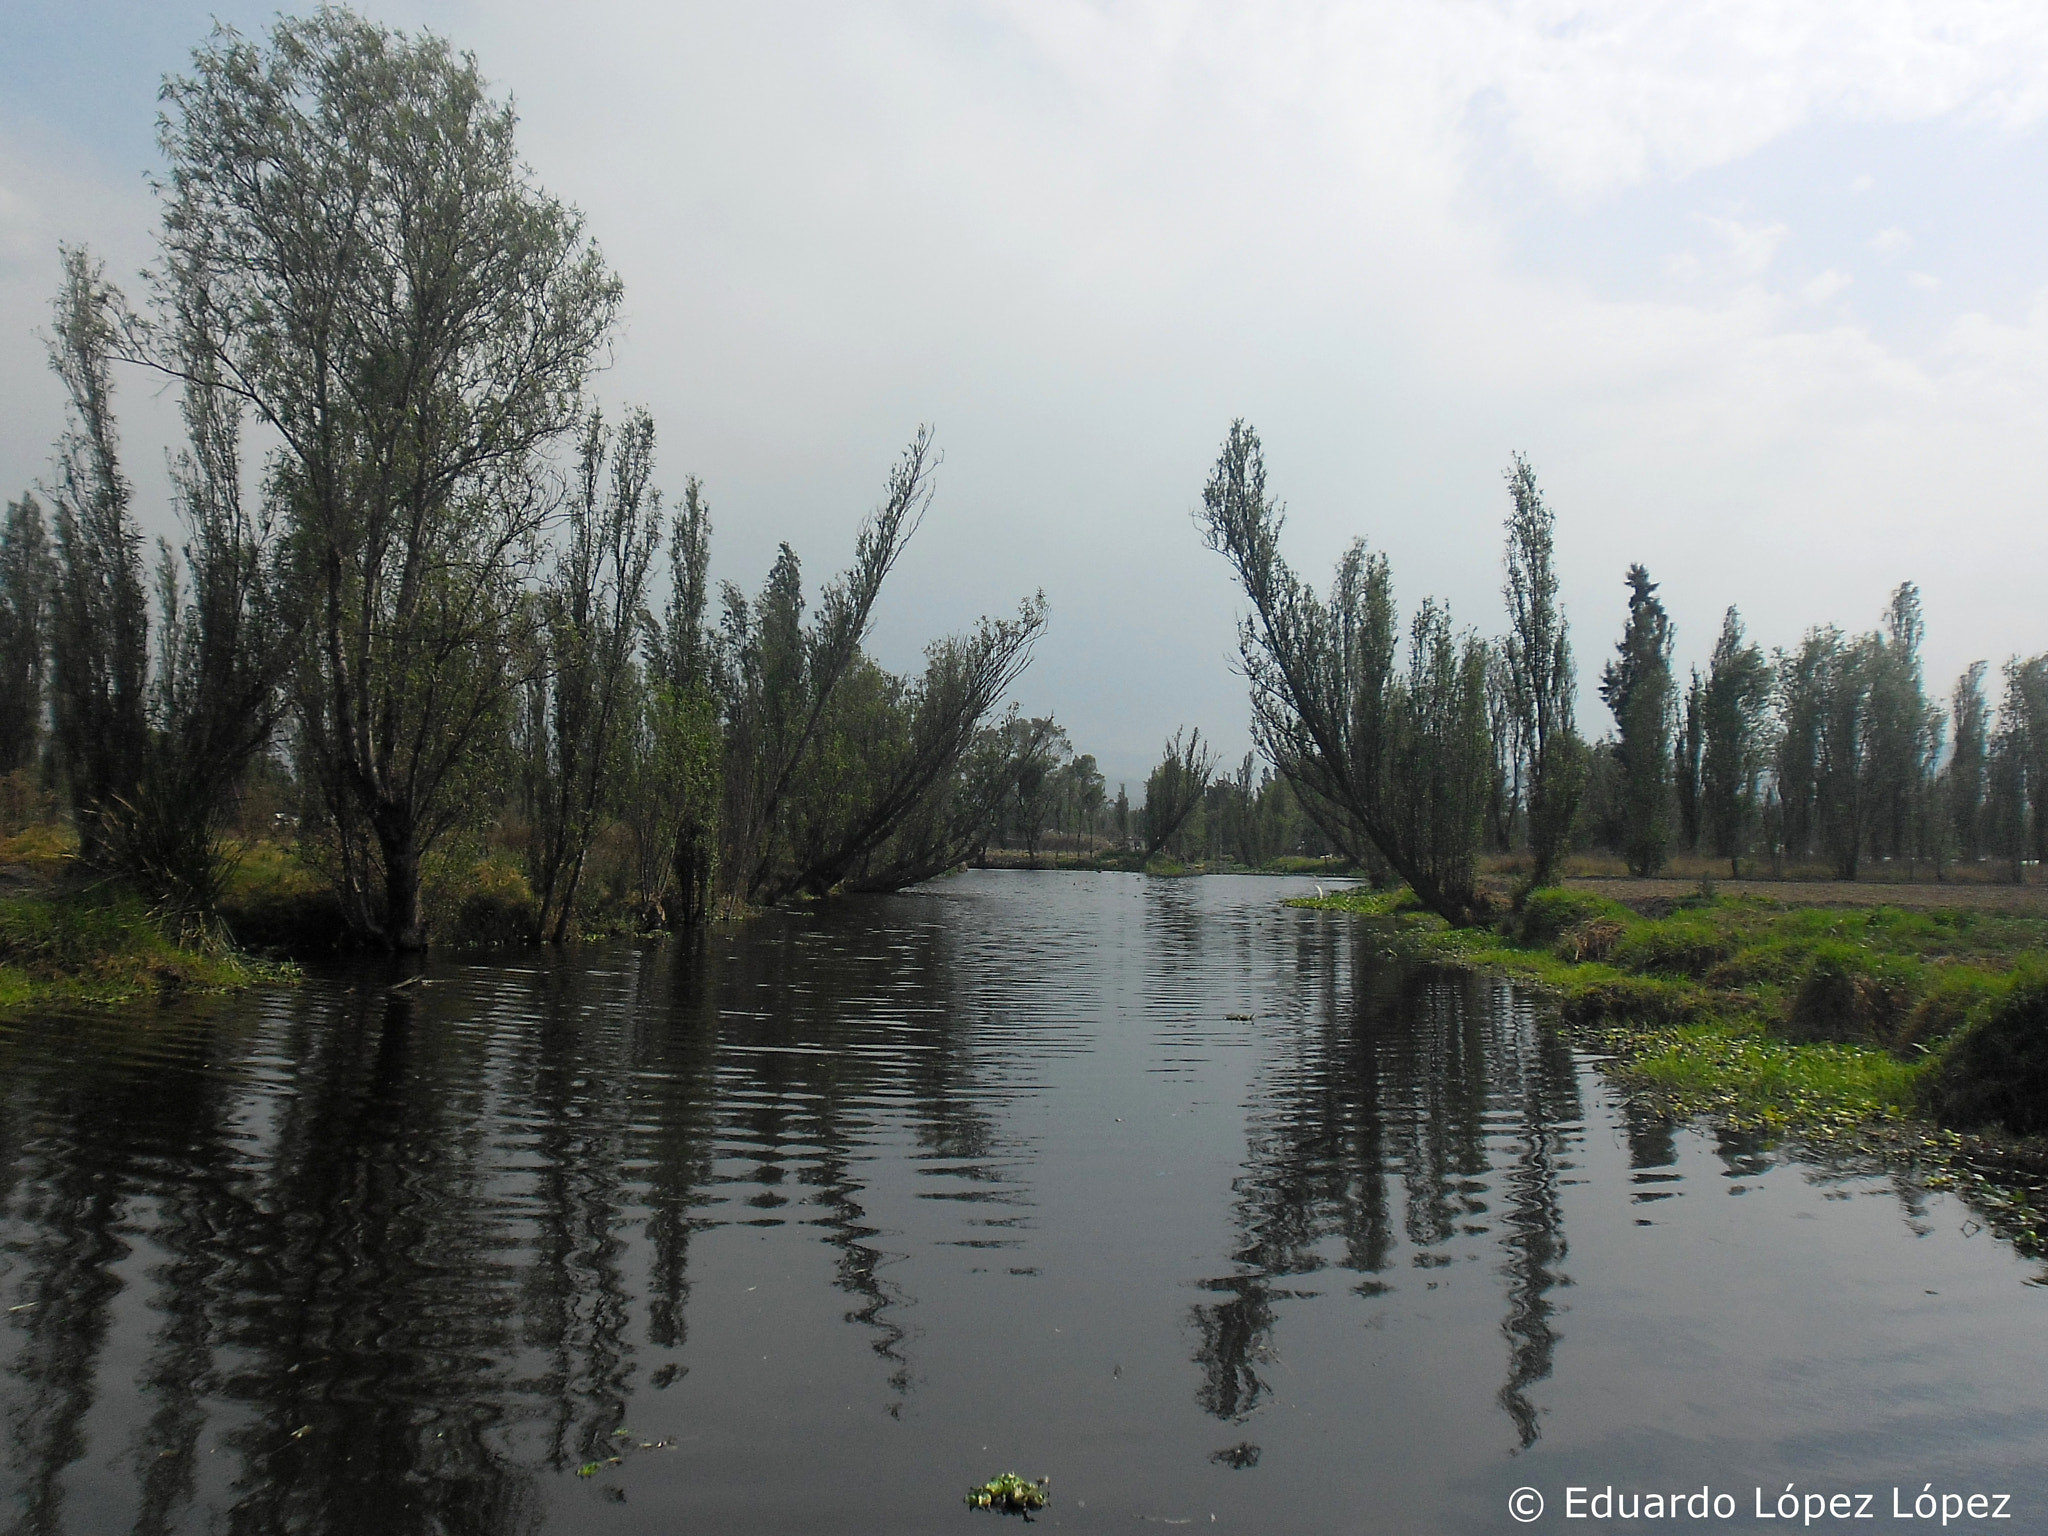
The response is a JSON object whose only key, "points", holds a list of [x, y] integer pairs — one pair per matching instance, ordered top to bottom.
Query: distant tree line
{"points": [[408, 608], [1829, 751]]}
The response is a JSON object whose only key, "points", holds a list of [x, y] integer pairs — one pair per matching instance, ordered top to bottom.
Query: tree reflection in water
{"points": [[1442, 1085], [382, 1235], [369, 1257]]}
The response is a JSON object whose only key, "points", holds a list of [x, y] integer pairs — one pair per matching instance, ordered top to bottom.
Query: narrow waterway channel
{"points": [[1191, 1202]]}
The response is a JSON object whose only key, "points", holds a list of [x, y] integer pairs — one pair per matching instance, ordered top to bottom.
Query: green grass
{"points": [[88, 949], [1789, 1017], [1885, 1033], [1741, 1074]]}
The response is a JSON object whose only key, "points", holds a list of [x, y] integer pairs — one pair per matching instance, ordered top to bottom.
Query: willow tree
{"points": [[352, 240], [26, 571], [228, 625], [778, 675], [577, 709], [1401, 764], [1175, 787], [894, 791]]}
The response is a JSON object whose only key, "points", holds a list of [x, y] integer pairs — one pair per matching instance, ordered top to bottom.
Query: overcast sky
{"points": [[1760, 289]]}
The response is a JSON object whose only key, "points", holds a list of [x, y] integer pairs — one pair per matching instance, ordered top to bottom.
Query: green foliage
{"points": [[352, 244], [27, 570], [99, 630], [1541, 685], [1637, 687], [1732, 722], [575, 723], [1905, 732], [1857, 744], [1037, 748], [1439, 758], [153, 763], [1400, 764], [836, 772], [2018, 773], [1963, 780], [900, 782], [1174, 789], [672, 793], [1363, 901], [276, 903], [491, 906], [1547, 915], [1689, 945], [102, 950], [1851, 993], [1598, 994], [1950, 994], [1811, 1017], [1995, 1069], [1741, 1074], [1009, 1494]]}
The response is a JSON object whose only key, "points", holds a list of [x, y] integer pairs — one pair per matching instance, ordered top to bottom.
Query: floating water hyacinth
{"points": [[1010, 1495]]}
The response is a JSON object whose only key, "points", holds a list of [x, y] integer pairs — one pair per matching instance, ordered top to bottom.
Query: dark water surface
{"points": [[853, 1209]]}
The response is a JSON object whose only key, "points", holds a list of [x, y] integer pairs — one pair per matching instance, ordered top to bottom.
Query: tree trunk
{"points": [[403, 932]]}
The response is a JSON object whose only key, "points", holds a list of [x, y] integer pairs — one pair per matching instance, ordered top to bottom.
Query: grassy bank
{"points": [[60, 944], [92, 949], [1875, 1028]]}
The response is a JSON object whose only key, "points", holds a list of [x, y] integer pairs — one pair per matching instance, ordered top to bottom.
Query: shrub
{"points": [[493, 908], [1547, 915], [286, 920], [1593, 939], [1676, 946], [1955, 992], [1849, 995], [1629, 999], [1995, 1069]]}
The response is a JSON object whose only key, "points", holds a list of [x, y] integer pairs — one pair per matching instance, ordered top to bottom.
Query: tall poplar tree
{"points": [[26, 571], [99, 631], [1541, 683], [1637, 687], [1733, 710], [1970, 721]]}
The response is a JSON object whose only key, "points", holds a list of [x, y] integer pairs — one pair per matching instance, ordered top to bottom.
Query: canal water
{"points": [[1195, 1204]]}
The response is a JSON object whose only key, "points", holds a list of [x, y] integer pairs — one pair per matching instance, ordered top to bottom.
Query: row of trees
{"points": [[413, 606], [1828, 750], [1057, 800]]}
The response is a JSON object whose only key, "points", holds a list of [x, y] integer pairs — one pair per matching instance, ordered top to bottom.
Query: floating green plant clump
{"points": [[1010, 1495]]}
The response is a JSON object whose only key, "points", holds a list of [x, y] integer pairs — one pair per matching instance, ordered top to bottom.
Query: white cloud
{"points": [[1889, 242], [1751, 247], [1923, 280], [1826, 286]]}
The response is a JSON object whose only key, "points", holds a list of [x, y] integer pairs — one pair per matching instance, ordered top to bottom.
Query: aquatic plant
{"points": [[1009, 1494]]}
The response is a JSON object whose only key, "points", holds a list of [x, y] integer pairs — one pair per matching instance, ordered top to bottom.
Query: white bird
{"points": [[1319, 890]]}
